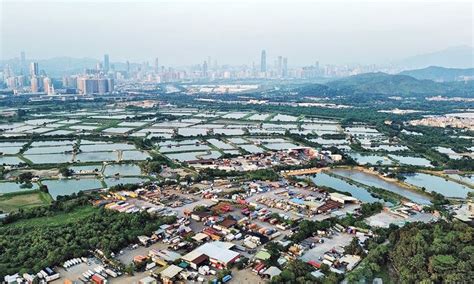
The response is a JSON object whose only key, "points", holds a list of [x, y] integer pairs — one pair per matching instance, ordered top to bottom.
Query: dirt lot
{"points": [[384, 219], [337, 241], [128, 253], [246, 276]]}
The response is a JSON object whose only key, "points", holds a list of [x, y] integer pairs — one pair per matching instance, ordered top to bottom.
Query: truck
{"points": [[226, 278]]}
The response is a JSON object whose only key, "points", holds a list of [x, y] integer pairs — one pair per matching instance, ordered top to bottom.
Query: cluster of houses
{"points": [[292, 157]]}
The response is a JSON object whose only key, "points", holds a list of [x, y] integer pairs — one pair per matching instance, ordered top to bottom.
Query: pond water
{"points": [[235, 115], [259, 116], [284, 117], [132, 123], [279, 126], [83, 127], [322, 127], [118, 130], [156, 130], [361, 130], [192, 131], [227, 131], [265, 131], [59, 132], [238, 140], [268, 140], [323, 141], [182, 142], [52, 143], [11, 144], [220, 144], [280, 146], [106, 147], [183, 148], [252, 148], [389, 148], [49, 149], [10, 150], [232, 152], [450, 152], [134, 155], [212, 155], [96, 156], [187, 156], [49, 158], [370, 159], [10, 160], [414, 161], [78, 169], [123, 169], [463, 178], [123, 180], [372, 180], [338, 184], [437, 184], [70, 186], [9, 187]]}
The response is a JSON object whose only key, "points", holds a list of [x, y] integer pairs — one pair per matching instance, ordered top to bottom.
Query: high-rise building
{"points": [[263, 62], [106, 63], [23, 66], [157, 66], [279, 66], [285, 67], [204, 69], [34, 70], [70, 82], [36, 84], [91, 85], [48, 86], [102, 86]]}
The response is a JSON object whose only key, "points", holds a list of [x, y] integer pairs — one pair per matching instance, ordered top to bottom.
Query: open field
{"points": [[12, 202], [57, 219]]}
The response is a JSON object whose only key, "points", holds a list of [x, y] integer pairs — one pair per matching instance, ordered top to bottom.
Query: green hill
{"points": [[440, 74], [382, 83]]}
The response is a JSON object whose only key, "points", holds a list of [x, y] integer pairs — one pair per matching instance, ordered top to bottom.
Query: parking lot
{"points": [[337, 241]]}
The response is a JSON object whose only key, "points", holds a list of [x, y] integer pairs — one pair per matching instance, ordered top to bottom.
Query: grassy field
{"points": [[14, 201], [57, 219]]}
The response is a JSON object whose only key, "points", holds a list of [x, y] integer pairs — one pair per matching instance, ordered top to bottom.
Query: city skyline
{"points": [[367, 33]]}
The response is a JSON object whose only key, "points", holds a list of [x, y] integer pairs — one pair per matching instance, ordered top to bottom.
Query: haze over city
{"points": [[186, 32]]}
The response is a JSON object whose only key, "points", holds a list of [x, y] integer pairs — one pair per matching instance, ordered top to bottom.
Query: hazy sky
{"points": [[187, 32]]}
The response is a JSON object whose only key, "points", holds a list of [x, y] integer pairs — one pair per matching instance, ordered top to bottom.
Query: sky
{"points": [[233, 32]]}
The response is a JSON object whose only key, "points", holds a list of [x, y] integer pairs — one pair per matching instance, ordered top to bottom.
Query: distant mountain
{"points": [[454, 57], [439, 74], [387, 84]]}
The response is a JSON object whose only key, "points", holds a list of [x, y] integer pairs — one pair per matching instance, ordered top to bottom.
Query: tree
{"points": [[65, 172], [25, 177], [354, 248]]}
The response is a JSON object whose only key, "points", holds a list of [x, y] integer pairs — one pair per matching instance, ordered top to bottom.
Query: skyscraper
{"points": [[263, 62], [22, 63], [106, 63], [157, 66], [279, 66], [285, 67], [204, 69], [34, 71], [35, 84], [48, 86]]}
